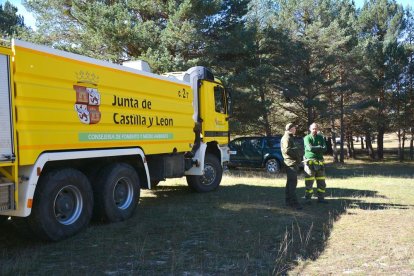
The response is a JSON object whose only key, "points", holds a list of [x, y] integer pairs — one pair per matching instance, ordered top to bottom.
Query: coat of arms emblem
{"points": [[87, 104]]}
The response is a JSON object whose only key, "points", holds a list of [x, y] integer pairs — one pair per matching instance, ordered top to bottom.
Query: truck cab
{"points": [[212, 105]]}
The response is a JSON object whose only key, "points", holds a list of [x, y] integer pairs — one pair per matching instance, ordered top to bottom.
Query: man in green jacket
{"points": [[292, 158], [314, 168]]}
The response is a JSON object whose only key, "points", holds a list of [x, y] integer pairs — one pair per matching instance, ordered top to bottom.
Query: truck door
{"points": [[214, 113], [6, 131]]}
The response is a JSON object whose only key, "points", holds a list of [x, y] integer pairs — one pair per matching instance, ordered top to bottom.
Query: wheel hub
{"points": [[272, 166], [209, 175], [123, 193], [65, 203], [68, 205]]}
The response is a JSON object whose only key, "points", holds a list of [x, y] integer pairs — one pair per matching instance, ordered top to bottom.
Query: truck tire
{"points": [[272, 166], [211, 178], [117, 191], [62, 205]]}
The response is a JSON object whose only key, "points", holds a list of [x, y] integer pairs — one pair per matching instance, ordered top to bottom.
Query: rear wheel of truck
{"points": [[211, 178], [117, 191], [62, 205]]}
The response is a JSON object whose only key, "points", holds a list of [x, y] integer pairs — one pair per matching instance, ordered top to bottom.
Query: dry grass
{"points": [[390, 141], [243, 229], [373, 236], [367, 242]]}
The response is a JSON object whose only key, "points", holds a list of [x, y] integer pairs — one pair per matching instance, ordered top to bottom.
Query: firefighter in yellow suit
{"points": [[314, 168]]}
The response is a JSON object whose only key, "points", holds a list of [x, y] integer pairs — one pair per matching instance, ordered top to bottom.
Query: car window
{"points": [[235, 143], [256, 143], [272, 143], [251, 145]]}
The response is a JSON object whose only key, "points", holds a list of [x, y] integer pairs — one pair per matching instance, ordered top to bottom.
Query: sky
{"points": [[30, 21]]}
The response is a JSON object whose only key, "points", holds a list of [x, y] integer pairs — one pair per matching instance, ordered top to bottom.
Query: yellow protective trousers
{"points": [[315, 170]]}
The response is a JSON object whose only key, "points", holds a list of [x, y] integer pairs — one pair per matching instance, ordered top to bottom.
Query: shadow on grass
{"points": [[240, 229]]}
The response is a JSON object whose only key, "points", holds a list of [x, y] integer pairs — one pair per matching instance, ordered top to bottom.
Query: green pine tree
{"points": [[10, 22], [381, 24], [164, 33]]}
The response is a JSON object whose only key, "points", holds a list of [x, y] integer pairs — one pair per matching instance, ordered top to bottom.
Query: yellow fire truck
{"points": [[81, 137]]}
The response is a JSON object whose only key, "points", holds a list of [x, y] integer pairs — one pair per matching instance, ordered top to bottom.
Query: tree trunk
{"points": [[309, 96], [310, 116], [381, 122], [399, 123], [267, 126], [333, 130], [333, 135], [399, 135], [328, 142], [362, 143], [380, 143], [412, 144], [352, 145], [403, 145], [349, 146], [370, 149], [334, 150], [341, 152]]}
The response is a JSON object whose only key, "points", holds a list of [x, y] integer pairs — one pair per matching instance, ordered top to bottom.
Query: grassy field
{"points": [[243, 228]]}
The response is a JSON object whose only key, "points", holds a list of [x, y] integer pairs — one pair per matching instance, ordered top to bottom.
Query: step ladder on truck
{"points": [[80, 137]]}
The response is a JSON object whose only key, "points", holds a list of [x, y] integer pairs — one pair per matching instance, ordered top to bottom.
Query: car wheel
{"points": [[272, 166]]}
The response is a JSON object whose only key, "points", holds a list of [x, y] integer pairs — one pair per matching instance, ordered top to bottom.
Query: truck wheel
{"points": [[272, 166], [211, 178], [117, 191], [62, 205]]}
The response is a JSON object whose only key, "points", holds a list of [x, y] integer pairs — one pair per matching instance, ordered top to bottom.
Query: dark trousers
{"points": [[291, 183]]}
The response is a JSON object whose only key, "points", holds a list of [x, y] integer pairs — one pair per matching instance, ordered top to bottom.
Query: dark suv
{"points": [[258, 152]]}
